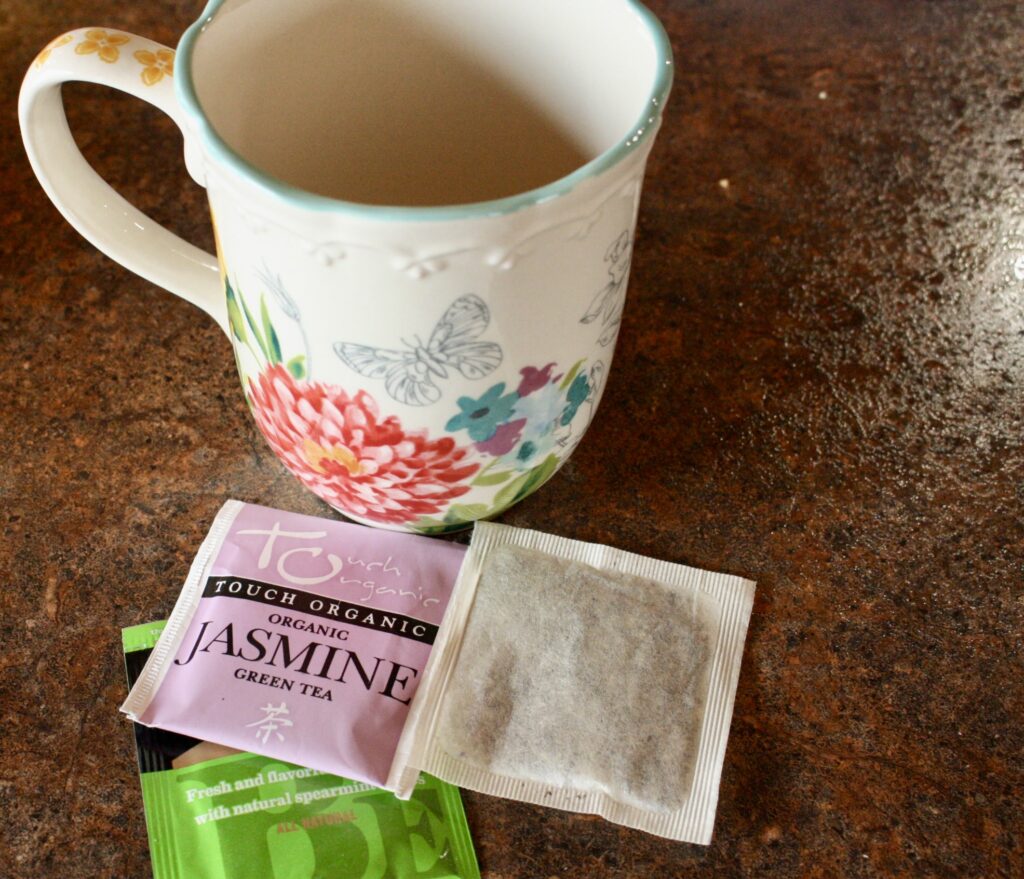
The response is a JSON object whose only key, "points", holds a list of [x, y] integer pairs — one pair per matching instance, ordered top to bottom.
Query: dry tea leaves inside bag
{"points": [[578, 676], [573, 677]]}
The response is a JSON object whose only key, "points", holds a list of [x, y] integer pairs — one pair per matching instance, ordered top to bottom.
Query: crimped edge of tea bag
{"points": [[155, 670], [423, 712], [418, 749]]}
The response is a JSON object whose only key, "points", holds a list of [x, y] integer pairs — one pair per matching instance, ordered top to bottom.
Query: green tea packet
{"points": [[217, 813]]}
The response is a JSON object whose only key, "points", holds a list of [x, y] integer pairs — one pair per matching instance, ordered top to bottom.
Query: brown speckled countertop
{"points": [[819, 384]]}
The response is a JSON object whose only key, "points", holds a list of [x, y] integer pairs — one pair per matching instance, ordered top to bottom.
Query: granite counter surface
{"points": [[819, 385]]}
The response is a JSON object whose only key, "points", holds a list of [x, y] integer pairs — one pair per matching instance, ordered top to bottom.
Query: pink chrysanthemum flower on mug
{"points": [[340, 449]]}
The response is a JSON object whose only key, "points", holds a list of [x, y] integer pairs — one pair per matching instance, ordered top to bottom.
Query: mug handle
{"points": [[142, 68]]}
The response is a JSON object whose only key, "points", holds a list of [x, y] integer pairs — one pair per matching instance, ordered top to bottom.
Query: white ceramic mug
{"points": [[424, 214]]}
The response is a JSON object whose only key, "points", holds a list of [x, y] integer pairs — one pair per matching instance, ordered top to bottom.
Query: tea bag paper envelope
{"points": [[299, 638], [578, 676]]}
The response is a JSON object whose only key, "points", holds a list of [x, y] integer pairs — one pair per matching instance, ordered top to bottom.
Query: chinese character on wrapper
{"points": [[269, 723]]}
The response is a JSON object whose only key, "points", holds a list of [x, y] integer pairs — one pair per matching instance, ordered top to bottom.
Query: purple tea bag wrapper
{"points": [[299, 638]]}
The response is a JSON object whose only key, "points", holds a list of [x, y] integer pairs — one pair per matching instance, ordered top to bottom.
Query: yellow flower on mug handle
{"points": [[53, 44], [104, 44], [155, 65]]}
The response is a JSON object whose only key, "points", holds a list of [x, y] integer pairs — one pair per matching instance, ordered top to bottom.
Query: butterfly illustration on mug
{"points": [[411, 374]]}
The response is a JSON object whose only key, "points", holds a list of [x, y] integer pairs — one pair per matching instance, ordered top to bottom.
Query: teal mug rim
{"points": [[642, 130]]}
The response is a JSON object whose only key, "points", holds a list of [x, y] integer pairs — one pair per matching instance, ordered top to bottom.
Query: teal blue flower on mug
{"points": [[578, 392], [483, 417]]}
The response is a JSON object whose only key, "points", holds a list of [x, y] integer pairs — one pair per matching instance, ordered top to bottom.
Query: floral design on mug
{"points": [[55, 43], [104, 44], [155, 65], [610, 299], [259, 337], [410, 375], [483, 418], [526, 432], [338, 444], [501, 444], [340, 447]]}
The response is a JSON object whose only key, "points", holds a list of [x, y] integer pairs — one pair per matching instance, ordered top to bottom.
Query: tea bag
{"points": [[574, 677], [582, 677]]}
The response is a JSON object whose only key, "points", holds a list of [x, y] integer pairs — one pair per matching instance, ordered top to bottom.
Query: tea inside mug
{"points": [[423, 102]]}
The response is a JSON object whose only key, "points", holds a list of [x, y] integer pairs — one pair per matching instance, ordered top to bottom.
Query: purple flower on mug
{"points": [[533, 379], [504, 440]]}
